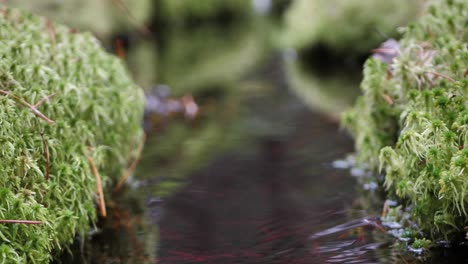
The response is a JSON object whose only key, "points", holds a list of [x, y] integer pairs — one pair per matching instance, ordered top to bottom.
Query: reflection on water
{"points": [[262, 203]]}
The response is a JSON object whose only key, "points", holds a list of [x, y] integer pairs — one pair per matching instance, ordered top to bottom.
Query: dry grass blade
{"points": [[441, 75], [46, 98], [388, 99], [30, 106], [46, 154], [132, 166], [100, 192], [24, 222]]}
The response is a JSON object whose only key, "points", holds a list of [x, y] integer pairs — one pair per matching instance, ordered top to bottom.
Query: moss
{"points": [[350, 25], [90, 108], [412, 120]]}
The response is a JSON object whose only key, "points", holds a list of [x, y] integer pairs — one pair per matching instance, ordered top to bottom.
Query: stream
{"points": [[258, 177]]}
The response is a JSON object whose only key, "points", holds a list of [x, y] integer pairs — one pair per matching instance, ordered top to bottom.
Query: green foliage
{"points": [[178, 11], [98, 16], [350, 25], [191, 59], [331, 94], [90, 107], [412, 120], [422, 243]]}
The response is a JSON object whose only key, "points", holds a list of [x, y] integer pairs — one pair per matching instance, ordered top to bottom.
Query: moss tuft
{"points": [[63, 99], [411, 120]]}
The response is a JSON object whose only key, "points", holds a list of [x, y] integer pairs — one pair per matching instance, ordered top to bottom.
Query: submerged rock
{"points": [[68, 112], [412, 120]]}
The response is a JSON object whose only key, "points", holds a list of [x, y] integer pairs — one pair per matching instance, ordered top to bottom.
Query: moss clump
{"points": [[350, 25], [87, 108], [412, 120]]}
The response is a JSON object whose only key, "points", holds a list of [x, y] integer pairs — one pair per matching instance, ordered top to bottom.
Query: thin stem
{"points": [[441, 75], [46, 98], [32, 107], [46, 154], [132, 166], [101, 201], [25, 222]]}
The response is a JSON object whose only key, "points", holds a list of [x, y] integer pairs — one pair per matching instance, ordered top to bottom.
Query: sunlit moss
{"points": [[351, 25], [63, 101], [412, 120]]}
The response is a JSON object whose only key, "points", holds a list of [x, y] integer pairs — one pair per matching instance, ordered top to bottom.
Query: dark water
{"points": [[261, 204]]}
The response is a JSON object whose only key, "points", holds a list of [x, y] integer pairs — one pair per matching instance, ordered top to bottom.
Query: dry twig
{"points": [[441, 75], [388, 99], [30, 106], [46, 154], [132, 166], [100, 192], [25, 222]]}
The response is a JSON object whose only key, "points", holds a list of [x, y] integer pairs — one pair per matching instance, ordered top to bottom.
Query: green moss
{"points": [[350, 25], [92, 108], [412, 119], [422, 244]]}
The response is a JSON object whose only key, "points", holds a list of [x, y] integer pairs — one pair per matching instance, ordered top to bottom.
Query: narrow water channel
{"points": [[273, 195], [276, 197]]}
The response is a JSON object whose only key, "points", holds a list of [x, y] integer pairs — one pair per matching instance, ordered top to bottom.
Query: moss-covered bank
{"points": [[65, 105], [412, 120]]}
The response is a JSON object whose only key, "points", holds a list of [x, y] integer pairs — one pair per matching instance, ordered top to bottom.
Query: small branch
{"points": [[441, 75], [46, 98], [32, 107], [46, 154], [132, 166], [101, 202], [25, 222]]}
